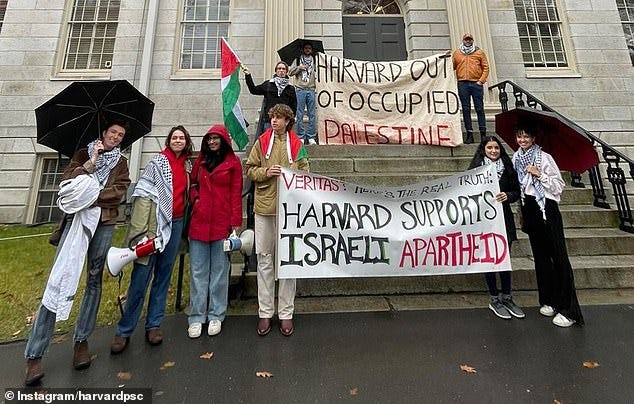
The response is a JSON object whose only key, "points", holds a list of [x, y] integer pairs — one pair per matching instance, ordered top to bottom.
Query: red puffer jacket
{"points": [[216, 195]]}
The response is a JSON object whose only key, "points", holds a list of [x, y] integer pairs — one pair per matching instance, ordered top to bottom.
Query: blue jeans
{"points": [[466, 90], [305, 98], [159, 268], [209, 281], [44, 325]]}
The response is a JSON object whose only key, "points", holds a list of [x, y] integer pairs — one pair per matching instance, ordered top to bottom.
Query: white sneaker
{"points": [[312, 141], [547, 311], [562, 321], [214, 327], [194, 330]]}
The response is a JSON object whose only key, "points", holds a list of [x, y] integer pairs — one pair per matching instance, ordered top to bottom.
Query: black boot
{"points": [[483, 134], [469, 139]]}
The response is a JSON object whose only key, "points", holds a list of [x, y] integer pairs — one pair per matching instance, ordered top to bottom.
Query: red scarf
{"points": [[296, 142]]}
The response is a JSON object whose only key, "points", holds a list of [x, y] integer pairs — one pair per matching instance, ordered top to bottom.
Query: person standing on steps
{"points": [[303, 68], [472, 69], [491, 151], [541, 186]]}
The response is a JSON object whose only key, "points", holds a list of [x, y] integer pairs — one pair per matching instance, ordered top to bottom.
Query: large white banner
{"points": [[406, 102], [328, 228]]}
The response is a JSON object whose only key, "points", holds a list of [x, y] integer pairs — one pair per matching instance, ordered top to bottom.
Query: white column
{"points": [[472, 16], [283, 22]]}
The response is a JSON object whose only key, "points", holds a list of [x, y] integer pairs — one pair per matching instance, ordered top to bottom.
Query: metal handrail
{"points": [[614, 158]]}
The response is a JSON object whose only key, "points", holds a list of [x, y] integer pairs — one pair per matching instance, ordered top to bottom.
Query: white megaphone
{"points": [[243, 243], [119, 257]]}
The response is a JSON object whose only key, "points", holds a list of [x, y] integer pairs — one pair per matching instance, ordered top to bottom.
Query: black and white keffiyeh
{"points": [[467, 50], [308, 61], [280, 83], [521, 160], [105, 163], [499, 165], [156, 184]]}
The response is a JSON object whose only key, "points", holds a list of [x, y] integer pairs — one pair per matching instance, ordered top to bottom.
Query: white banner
{"points": [[405, 102], [328, 228]]}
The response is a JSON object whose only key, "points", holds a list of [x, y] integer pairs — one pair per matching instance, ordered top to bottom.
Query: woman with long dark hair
{"points": [[491, 151], [541, 185], [158, 210], [217, 211]]}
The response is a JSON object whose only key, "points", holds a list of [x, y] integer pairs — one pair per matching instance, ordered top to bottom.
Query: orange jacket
{"points": [[471, 67]]}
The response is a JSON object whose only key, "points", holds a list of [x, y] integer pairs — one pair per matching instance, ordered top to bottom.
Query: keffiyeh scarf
{"points": [[467, 50], [308, 61], [280, 83], [524, 158], [105, 163], [499, 165], [156, 184]]}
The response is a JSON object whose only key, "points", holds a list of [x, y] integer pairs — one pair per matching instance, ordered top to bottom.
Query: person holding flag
{"points": [[278, 147]]}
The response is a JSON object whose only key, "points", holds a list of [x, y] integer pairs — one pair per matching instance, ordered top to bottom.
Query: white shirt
{"points": [[551, 179]]}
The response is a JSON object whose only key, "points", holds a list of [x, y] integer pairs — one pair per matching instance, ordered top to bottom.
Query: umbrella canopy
{"points": [[294, 49], [79, 114], [556, 135]]}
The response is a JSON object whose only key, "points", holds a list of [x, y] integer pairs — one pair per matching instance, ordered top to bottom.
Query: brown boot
{"points": [[154, 336], [119, 344], [81, 358], [34, 371]]}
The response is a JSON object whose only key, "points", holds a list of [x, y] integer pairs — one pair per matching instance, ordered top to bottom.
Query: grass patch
{"points": [[25, 266]]}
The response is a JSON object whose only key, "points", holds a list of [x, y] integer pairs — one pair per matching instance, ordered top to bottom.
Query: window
{"points": [[370, 7], [3, 8], [626, 10], [202, 25], [91, 32], [540, 32], [45, 208]]}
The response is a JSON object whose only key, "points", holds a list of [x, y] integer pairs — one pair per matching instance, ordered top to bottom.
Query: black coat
{"points": [[269, 90], [510, 184]]}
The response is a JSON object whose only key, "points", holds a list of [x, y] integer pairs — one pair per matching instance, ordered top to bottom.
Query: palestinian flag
{"points": [[230, 86]]}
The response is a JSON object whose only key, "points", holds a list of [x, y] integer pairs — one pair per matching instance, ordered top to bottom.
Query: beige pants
{"points": [[265, 236]]}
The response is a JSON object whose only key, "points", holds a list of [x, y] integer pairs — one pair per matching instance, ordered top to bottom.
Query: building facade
{"points": [[575, 55]]}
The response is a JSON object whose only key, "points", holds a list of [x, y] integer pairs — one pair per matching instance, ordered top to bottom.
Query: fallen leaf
{"points": [[29, 319], [15, 334], [59, 338], [206, 355], [168, 364], [591, 365], [468, 369], [264, 374], [124, 375], [354, 391], [555, 401]]}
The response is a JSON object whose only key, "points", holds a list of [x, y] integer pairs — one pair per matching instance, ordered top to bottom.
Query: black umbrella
{"points": [[294, 49], [79, 114], [556, 135]]}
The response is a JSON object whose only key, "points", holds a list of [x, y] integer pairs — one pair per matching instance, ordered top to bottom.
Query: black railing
{"points": [[615, 160]]}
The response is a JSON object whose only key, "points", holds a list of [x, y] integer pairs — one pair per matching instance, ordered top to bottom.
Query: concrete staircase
{"points": [[602, 256]]}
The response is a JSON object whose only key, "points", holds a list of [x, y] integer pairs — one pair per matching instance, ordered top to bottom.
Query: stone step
{"points": [[583, 216], [588, 241], [591, 272]]}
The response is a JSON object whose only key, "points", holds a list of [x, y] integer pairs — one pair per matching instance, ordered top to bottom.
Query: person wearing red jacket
{"points": [[216, 186]]}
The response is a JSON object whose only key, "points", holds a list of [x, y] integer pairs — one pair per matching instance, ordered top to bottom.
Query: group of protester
{"points": [[211, 189]]}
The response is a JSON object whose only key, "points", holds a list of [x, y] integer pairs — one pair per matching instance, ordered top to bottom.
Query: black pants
{"points": [[555, 279]]}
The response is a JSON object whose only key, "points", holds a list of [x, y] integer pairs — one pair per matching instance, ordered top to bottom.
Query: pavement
{"points": [[377, 349]]}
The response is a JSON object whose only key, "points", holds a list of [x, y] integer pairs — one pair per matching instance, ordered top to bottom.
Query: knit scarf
{"points": [[467, 50], [308, 61], [280, 83], [521, 160], [105, 162], [499, 165], [156, 184]]}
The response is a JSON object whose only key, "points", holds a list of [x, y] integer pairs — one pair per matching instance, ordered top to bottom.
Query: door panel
{"points": [[374, 38]]}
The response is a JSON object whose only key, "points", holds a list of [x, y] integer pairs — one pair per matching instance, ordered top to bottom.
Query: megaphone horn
{"points": [[242, 243], [118, 258]]}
